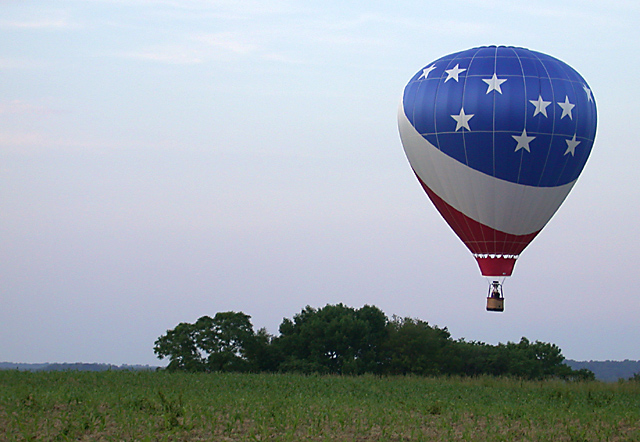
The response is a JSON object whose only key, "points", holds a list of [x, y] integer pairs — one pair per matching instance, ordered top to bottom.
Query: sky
{"points": [[162, 160]]}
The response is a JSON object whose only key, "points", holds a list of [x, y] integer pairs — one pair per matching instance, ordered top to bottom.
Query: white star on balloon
{"points": [[426, 71], [453, 73], [494, 83], [588, 91], [541, 106], [566, 108], [462, 120], [523, 141], [571, 145]]}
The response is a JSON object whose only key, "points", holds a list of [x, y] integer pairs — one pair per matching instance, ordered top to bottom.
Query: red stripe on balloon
{"points": [[481, 239]]}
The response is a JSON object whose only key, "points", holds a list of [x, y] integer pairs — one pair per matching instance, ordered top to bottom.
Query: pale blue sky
{"points": [[163, 160]]}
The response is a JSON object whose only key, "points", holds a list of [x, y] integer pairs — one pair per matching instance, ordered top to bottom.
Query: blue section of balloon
{"points": [[533, 123]]}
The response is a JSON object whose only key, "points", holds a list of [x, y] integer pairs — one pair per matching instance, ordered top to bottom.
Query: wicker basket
{"points": [[495, 304]]}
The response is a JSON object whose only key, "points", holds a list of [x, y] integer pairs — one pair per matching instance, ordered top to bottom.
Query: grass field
{"points": [[161, 406]]}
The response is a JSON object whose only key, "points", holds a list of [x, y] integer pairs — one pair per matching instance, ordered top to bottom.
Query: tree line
{"points": [[338, 339], [609, 371]]}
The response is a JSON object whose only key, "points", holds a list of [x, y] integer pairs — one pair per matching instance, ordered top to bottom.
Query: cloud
{"points": [[229, 9], [587, 12], [43, 23], [227, 41], [196, 49], [170, 54], [282, 58], [15, 63], [21, 107], [12, 139], [30, 143]]}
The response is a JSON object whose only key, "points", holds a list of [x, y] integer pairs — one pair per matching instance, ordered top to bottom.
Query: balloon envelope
{"points": [[497, 137]]}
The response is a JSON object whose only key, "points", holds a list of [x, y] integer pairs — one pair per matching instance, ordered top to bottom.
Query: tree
{"points": [[225, 339], [333, 339], [343, 340], [225, 342], [179, 345], [415, 347], [261, 353], [470, 358], [537, 360], [583, 374]]}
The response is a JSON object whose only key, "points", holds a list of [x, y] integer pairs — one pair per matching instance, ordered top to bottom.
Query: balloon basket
{"points": [[495, 300], [495, 304]]}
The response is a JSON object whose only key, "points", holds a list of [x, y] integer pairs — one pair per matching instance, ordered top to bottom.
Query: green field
{"points": [[158, 406]]}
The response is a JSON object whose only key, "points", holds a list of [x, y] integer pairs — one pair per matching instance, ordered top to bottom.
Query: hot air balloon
{"points": [[497, 137]]}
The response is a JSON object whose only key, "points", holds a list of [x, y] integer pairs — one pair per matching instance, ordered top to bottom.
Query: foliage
{"points": [[334, 339], [338, 339], [225, 342], [180, 346], [415, 347], [179, 406]]}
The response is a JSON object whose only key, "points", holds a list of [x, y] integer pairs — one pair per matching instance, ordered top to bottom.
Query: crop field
{"points": [[162, 406]]}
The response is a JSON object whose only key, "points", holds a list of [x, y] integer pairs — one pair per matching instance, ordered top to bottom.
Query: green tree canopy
{"points": [[333, 339], [344, 340], [226, 342], [180, 346], [415, 347]]}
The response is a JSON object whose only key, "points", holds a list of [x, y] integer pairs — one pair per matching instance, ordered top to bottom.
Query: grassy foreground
{"points": [[158, 406]]}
